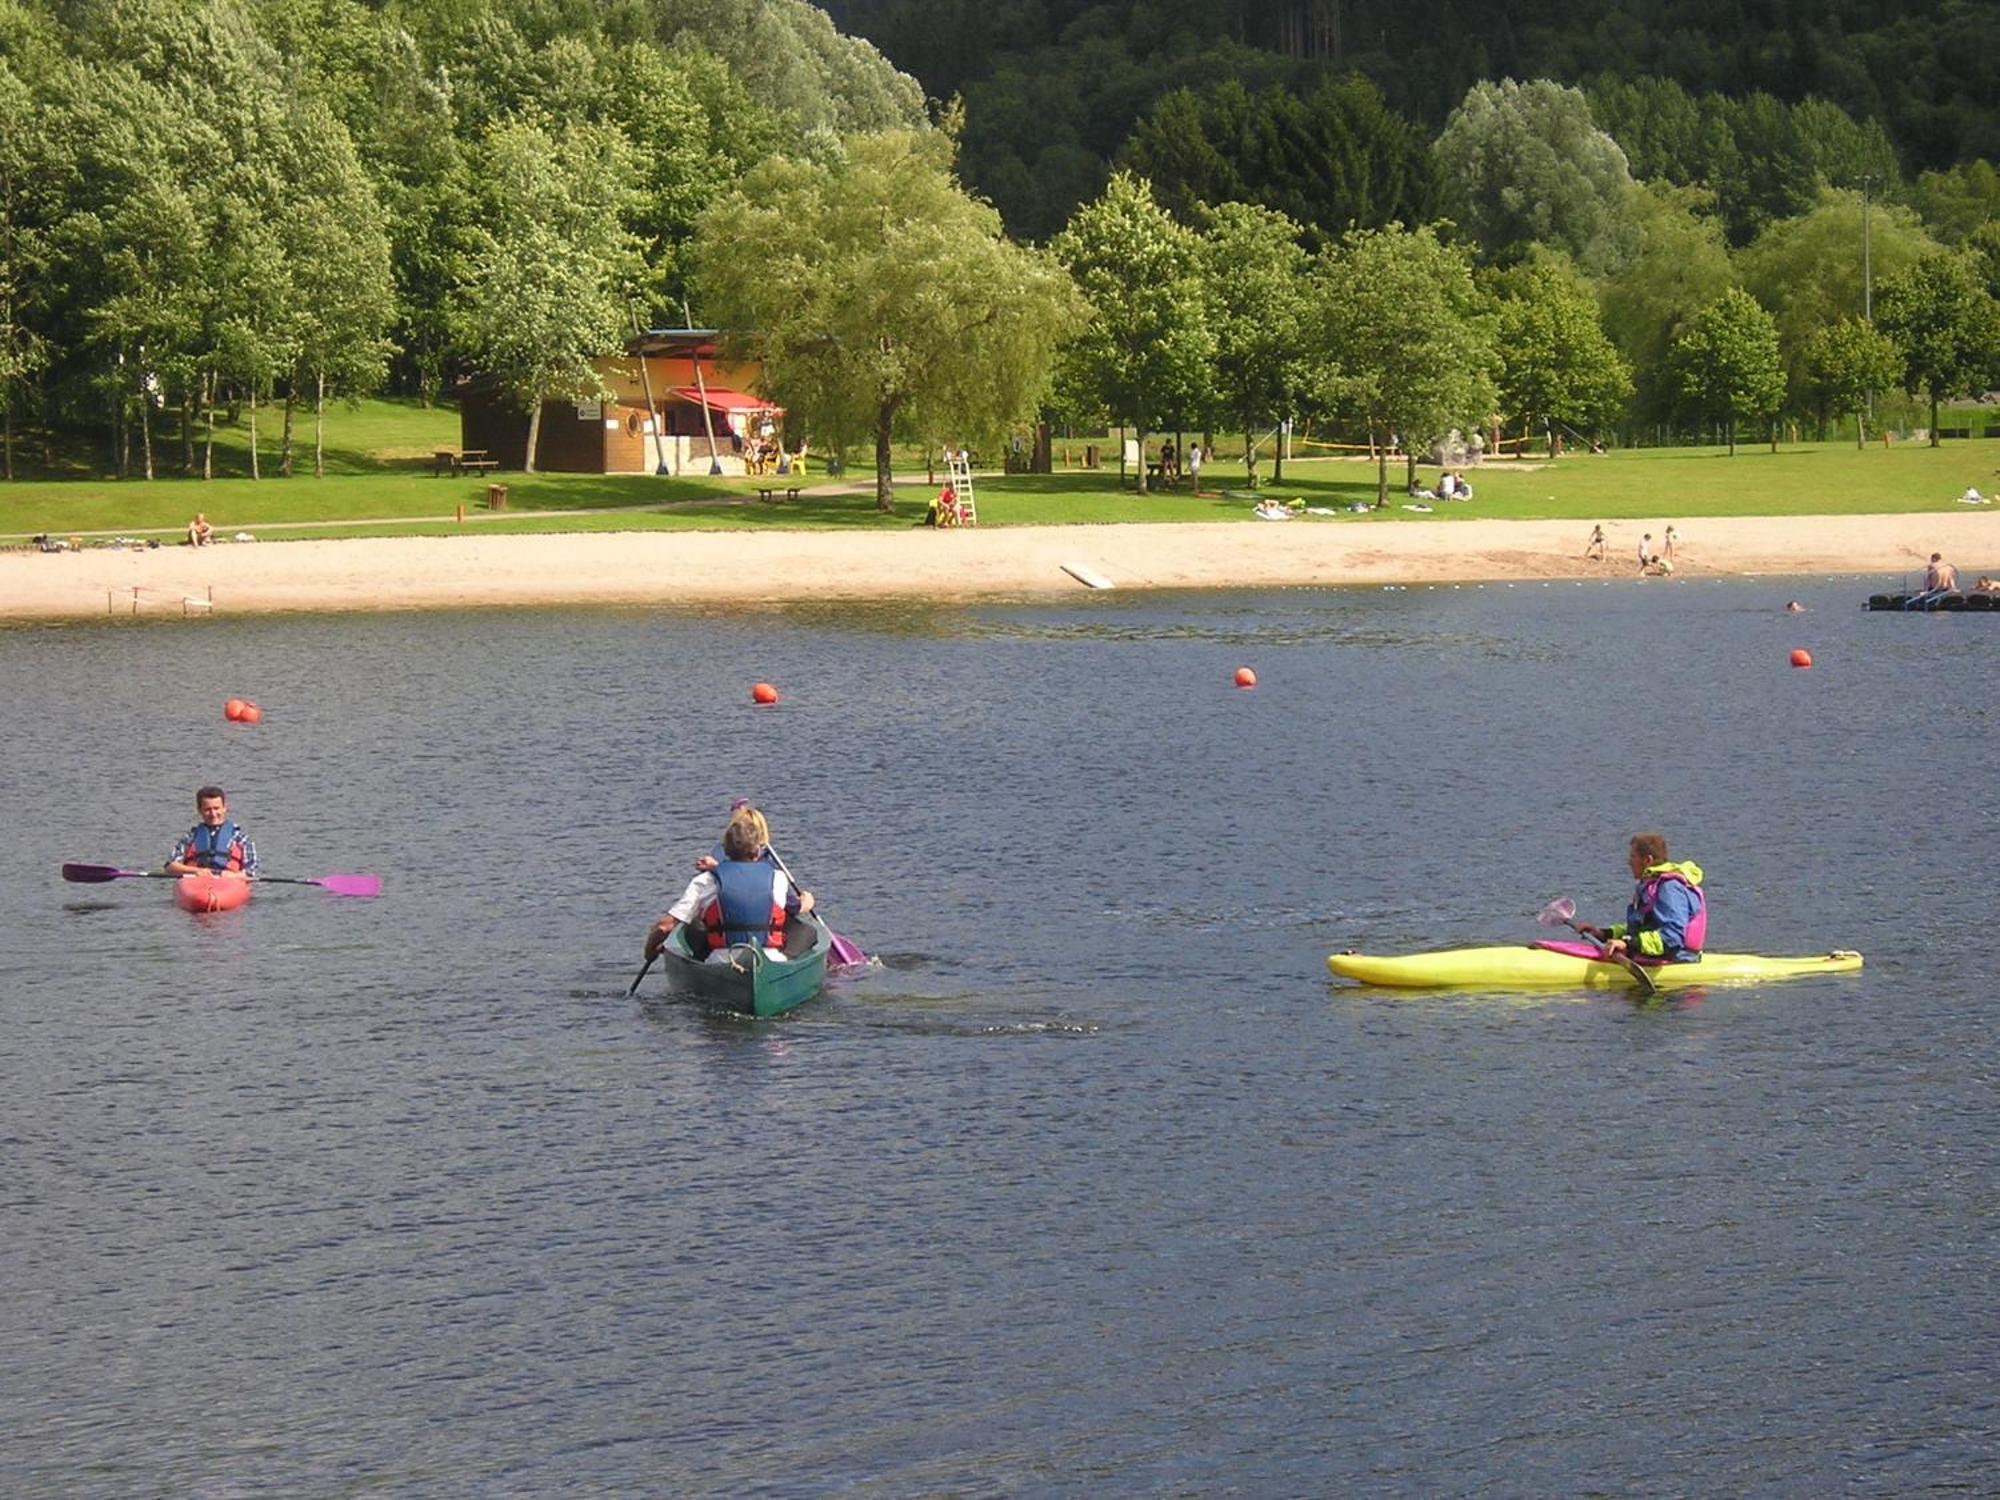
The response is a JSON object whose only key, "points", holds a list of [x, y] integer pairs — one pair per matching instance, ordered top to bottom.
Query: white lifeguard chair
{"points": [[958, 467]]}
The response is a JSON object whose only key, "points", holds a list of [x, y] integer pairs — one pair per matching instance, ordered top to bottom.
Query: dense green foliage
{"points": [[1053, 87], [208, 203], [881, 299]]}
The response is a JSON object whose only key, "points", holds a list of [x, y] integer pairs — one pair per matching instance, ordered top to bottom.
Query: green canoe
{"points": [[751, 981]]}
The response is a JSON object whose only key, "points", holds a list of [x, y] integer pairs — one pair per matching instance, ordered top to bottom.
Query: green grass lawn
{"points": [[379, 483]]}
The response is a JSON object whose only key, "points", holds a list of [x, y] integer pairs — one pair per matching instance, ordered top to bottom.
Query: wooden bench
{"points": [[470, 461], [770, 491]]}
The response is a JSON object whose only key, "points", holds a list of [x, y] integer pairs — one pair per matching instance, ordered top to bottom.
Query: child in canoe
{"points": [[745, 899]]}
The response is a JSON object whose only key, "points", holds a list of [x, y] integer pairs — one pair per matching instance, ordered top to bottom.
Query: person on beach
{"points": [[1194, 456], [200, 533], [1667, 544], [1594, 552], [1645, 552], [215, 845], [743, 900], [1666, 922]]}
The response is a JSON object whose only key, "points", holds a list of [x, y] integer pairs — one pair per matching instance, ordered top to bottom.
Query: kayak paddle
{"points": [[340, 885], [1561, 912], [842, 952]]}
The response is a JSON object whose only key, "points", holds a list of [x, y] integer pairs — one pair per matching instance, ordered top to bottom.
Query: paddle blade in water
{"points": [[352, 885], [845, 953]]}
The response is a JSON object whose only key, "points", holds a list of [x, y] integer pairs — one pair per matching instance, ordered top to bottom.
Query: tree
{"points": [[1336, 159], [1524, 164], [1957, 201], [1681, 266], [1255, 269], [1808, 271], [545, 296], [881, 298], [1946, 325], [1400, 341], [1149, 348], [1726, 361], [1845, 363], [1557, 368]]}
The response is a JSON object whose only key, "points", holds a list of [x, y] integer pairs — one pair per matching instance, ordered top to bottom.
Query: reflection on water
{"points": [[325, 1195]]}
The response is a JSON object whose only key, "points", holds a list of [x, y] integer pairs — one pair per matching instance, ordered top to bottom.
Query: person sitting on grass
{"points": [[200, 533]]}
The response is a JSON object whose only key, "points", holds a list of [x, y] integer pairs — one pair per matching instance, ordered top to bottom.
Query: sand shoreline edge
{"points": [[761, 568]]}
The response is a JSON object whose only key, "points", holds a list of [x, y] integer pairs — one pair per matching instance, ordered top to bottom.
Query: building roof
{"points": [[699, 342], [722, 399]]}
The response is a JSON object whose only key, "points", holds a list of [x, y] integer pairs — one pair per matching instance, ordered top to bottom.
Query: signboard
{"points": [[589, 411]]}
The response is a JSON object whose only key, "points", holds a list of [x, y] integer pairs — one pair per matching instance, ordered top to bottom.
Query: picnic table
{"points": [[457, 461]]}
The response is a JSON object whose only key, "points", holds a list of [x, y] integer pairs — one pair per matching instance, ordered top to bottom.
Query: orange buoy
{"points": [[1802, 658], [1245, 677], [763, 692], [233, 709], [251, 714]]}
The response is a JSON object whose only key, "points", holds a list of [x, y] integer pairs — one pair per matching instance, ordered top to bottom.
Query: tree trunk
{"points": [[1934, 406], [208, 416], [319, 424], [146, 426], [1729, 427], [187, 430], [1141, 430], [1860, 431], [534, 437], [285, 451], [1278, 456], [1250, 461], [254, 471], [1381, 475], [885, 487]]}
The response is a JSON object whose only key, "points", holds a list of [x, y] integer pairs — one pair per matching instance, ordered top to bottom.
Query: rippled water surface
{"points": [[1095, 1182]]}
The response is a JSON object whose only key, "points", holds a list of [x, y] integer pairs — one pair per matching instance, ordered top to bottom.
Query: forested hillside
{"points": [[1054, 88]]}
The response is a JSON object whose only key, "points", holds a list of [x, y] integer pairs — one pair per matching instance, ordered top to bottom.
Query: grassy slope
{"points": [[379, 483]]}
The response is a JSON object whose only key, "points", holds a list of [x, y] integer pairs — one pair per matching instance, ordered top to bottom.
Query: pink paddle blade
{"points": [[95, 874], [352, 885], [845, 953]]}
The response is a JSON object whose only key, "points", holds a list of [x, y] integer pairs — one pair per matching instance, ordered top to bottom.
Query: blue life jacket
{"points": [[215, 848], [747, 909]]}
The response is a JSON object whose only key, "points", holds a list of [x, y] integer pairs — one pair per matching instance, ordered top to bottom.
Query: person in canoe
{"points": [[215, 845], [744, 899], [1667, 920]]}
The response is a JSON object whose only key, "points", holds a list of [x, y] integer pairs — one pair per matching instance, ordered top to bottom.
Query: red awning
{"points": [[721, 399]]}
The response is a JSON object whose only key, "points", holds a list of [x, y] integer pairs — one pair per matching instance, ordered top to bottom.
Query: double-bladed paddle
{"points": [[340, 885], [1561, 912], [842, 952]]}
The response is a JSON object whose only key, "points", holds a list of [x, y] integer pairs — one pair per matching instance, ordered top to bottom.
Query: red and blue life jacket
{"points": [[217, 848], [746, 908]]}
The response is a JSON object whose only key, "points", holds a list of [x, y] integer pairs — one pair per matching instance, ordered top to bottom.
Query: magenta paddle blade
{"points": [[352, 885], [1557, 913], [844, 953]]}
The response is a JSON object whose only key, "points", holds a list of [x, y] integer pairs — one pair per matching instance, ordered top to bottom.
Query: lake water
{"points": [[1096, 1183]]}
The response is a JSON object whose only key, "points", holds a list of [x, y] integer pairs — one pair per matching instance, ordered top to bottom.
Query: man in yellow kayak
{"points": [[1667, 920]]}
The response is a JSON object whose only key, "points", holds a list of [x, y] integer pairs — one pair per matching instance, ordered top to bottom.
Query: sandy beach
{"points": [[762, 568]]}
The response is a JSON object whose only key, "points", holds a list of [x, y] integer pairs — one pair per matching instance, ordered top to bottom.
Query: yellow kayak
{"points": [[1522, 967]]}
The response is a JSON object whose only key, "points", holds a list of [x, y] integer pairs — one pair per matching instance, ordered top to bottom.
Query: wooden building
{"points": [[661, 387]]}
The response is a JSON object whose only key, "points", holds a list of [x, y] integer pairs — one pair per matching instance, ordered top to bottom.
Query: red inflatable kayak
{"points": [[211, 892]]}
